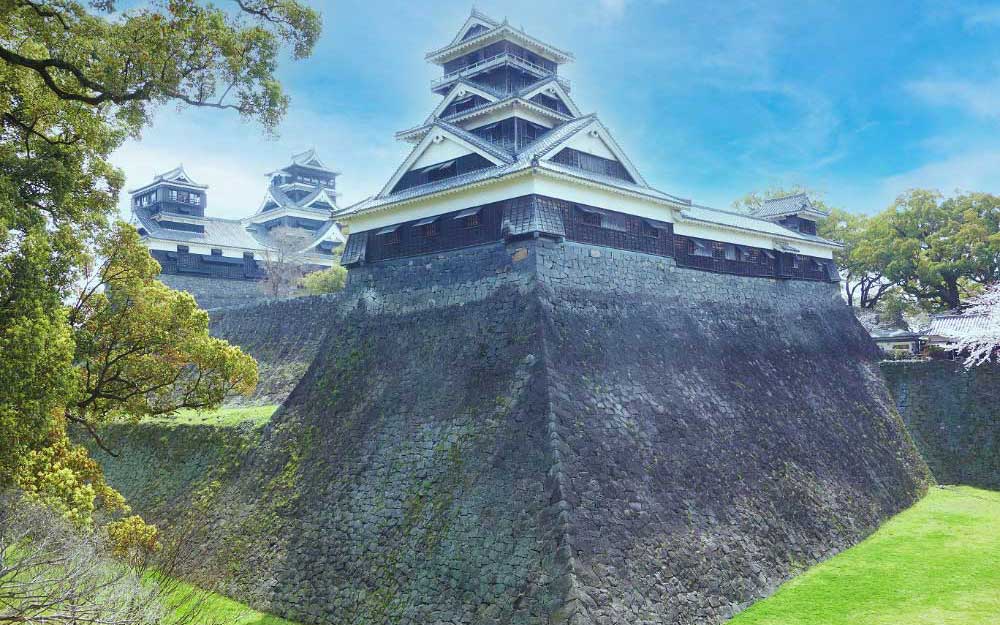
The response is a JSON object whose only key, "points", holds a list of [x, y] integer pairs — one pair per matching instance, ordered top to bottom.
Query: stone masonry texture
{"points": [[216, 292], [283, 336], [953, 416], [545, 433]]}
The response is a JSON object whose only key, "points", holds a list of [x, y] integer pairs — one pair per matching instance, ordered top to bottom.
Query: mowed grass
{"points": [[221, 417], [937, 563], [189, 605]]}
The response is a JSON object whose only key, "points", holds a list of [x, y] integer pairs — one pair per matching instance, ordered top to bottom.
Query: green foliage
{"points": [[76, 80], [938, 249], [862, 267], [325, 281], [143, 349], [220, 417], [936, 563]]}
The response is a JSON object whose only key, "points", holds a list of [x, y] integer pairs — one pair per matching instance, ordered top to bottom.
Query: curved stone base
{"points": [[554, 433]]}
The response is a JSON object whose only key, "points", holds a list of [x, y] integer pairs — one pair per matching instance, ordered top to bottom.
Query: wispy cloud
{"points": [[979, 98], [970, 170]]}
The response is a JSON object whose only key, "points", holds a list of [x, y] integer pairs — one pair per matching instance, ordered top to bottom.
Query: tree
{"points": [[76, 81], [938, 249], [860, 266], [284, 267], [328, 280], [864, 281], [981, 342], [141, 349], [52, 571]]}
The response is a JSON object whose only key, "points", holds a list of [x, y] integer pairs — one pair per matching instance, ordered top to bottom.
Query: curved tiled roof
{"points": [[789, 205]]}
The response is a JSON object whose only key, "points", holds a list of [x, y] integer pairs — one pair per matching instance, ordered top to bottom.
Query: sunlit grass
{"points": [[221, 417], [937, 563], [195, 607]]}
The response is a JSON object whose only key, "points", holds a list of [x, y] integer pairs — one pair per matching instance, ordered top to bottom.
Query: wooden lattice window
{"points": [[588, 217], [471, 221], [430, 230], [649, 230], [390, 236], [697, 247]]}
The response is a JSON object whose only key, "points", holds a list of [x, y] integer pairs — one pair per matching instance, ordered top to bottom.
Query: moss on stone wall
{"points": [[953, 416], [539, 434]]}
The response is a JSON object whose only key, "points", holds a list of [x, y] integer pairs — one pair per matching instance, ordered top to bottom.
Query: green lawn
{"points": [[221, 417], [937, 563], [213, 609]]}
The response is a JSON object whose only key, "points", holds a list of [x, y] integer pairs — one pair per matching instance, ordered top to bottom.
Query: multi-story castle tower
{"points": [[508, 154], [220, 261]]}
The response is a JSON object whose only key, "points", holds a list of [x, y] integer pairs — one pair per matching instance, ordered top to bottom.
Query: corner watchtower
{"points": [[173, 193]]}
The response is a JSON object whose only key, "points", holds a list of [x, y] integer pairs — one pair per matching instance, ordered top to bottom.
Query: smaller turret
{"points": [[172, 193], [795, 212]]}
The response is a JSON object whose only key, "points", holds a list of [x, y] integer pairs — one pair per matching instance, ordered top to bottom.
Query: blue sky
{"points": [[858, 100]]}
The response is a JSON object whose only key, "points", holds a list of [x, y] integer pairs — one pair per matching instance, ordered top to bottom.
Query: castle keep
{"points": [[507, 154], [220, 261], [548, 395]]}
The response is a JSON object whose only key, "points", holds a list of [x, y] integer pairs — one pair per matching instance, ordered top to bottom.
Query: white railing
{"points": [[493, 61]]}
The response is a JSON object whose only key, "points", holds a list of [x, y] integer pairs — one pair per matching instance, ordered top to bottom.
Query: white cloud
{"points": [[981, 99], [233, 157], [972, 170]]}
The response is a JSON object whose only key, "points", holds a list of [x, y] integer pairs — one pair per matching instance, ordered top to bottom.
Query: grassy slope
{"points": [[221, 417], [937, 563], [215, 609]]}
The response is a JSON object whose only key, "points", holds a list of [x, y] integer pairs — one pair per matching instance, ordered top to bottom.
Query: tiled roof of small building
{"points": [[788, 205], [748, 222], [222, 232], [953, 326]]}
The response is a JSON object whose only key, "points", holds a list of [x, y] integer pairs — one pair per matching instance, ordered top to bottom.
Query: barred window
{"points": [[588, 217], [390, 235], [700, 248]]}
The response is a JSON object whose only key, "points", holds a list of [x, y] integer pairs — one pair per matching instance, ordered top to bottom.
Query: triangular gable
{"points": [[475, 19], [461, 89], [553, 89], [594, 138], [439, 144], [178, 175], [322, 197]]}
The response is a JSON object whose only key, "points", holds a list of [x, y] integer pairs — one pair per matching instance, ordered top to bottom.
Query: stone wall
{"points": [[216, 292], [282, 335], [953, 416], [554, 433]]}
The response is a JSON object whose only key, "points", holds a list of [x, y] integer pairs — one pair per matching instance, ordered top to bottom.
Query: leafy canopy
{"points": [[76, 80], [940, 250], [328, 280]]}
